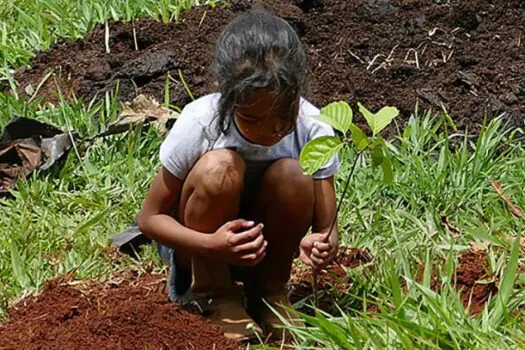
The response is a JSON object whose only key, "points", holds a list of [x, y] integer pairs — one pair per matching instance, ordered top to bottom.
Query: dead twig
{"points": [[202, 18], [135, 42], [355, 56], [416, 56], [388, 60], [371, 63], [515, 210], [453, 230]]}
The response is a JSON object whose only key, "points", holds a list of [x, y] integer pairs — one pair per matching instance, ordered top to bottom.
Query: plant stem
{"points": [[314, 274]]}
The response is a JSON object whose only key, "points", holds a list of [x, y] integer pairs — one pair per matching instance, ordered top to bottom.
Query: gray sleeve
{"points": [[184, 145], [332, 167]]}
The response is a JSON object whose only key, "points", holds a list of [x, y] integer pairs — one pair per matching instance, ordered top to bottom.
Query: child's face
{"points": [[262, 120]]}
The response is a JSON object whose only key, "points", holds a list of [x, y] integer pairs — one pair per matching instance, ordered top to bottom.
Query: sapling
{"points": [[319, 151]]}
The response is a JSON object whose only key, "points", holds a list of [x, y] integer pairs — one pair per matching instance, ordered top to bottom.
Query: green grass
{"points": [[30, 25], [60, 222], [400, 225]]}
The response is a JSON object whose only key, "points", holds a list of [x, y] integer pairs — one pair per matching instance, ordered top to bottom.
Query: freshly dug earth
{"points": [[466, 56], [473, 279], [333, 281], [131, 312]]}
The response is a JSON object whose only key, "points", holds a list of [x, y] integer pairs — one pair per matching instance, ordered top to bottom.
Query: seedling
{"points": [[318, 152]]}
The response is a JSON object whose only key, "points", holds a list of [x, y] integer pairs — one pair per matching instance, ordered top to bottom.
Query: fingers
{"points": [[238, 224], [246, 236], [252, 246], [321, 246], [323, 254], [254, 258], [321, 258], [306, 260]]}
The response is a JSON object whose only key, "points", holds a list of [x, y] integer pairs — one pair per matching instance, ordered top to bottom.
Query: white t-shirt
{"points": [[196, 132]]}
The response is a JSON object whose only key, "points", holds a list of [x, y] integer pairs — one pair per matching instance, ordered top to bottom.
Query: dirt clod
{"points": [[472, 278], [475, 281]]}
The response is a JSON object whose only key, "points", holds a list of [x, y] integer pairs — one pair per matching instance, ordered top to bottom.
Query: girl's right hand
{"points": [[239, 243]]}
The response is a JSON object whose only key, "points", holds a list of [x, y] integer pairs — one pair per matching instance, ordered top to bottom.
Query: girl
{"points": [[231, 201]]}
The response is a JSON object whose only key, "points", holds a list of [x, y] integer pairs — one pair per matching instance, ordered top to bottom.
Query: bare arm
{"points": [[325, 208], [156, 222], [238, 242], [319, 248]]}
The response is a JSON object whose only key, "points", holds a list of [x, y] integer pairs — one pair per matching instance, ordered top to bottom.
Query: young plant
{"points": [[318, 152]]}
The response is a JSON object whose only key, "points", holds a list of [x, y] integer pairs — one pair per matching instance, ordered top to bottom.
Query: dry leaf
{"points": [[144, 110], [18, 159], [513, 208], [453, 230], [479, 246]]}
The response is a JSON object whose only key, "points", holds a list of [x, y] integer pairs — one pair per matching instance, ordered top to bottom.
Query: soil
{"points": [[465, 56], [472, 278], [475, 281], [332, 282], [131, 312]]}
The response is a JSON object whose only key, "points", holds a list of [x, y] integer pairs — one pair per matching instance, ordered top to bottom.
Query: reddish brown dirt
{"points": [[469, 55], [472, 278], [333, 281], [130, 313]]}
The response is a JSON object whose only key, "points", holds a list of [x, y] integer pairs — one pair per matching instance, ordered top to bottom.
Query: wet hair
{"points": [[258, 50]]}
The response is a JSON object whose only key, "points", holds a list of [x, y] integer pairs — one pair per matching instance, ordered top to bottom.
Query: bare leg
{"points": [[210, 197], [286, 206]]}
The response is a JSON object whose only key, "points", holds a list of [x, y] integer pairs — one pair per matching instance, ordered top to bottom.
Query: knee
{"points": [[221, 174], [286, 179]]}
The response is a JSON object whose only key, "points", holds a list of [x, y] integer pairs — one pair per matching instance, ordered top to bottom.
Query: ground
{"points": [[464, 57], [432, 261], [114, 314], [110, 315]]}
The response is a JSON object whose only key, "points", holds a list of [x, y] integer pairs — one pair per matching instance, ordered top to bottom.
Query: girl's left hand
{"points": [[318, 249]]}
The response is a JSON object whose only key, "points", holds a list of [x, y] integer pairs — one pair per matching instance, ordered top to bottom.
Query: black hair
{"points": [[258, 50]]}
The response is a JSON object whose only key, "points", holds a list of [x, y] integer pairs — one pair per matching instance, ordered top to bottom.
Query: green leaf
{"points": [[338, 115], [379, 120], [359, 137], [318, 152], [377, 156], [388, 172], [91, 222], [18, 269], [427, 273], [397, 293], [501, 301], [333, 330]]}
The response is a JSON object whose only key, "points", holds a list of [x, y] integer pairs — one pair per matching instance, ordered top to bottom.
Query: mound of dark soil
{"points": [[466, 56], [129, 313]]}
